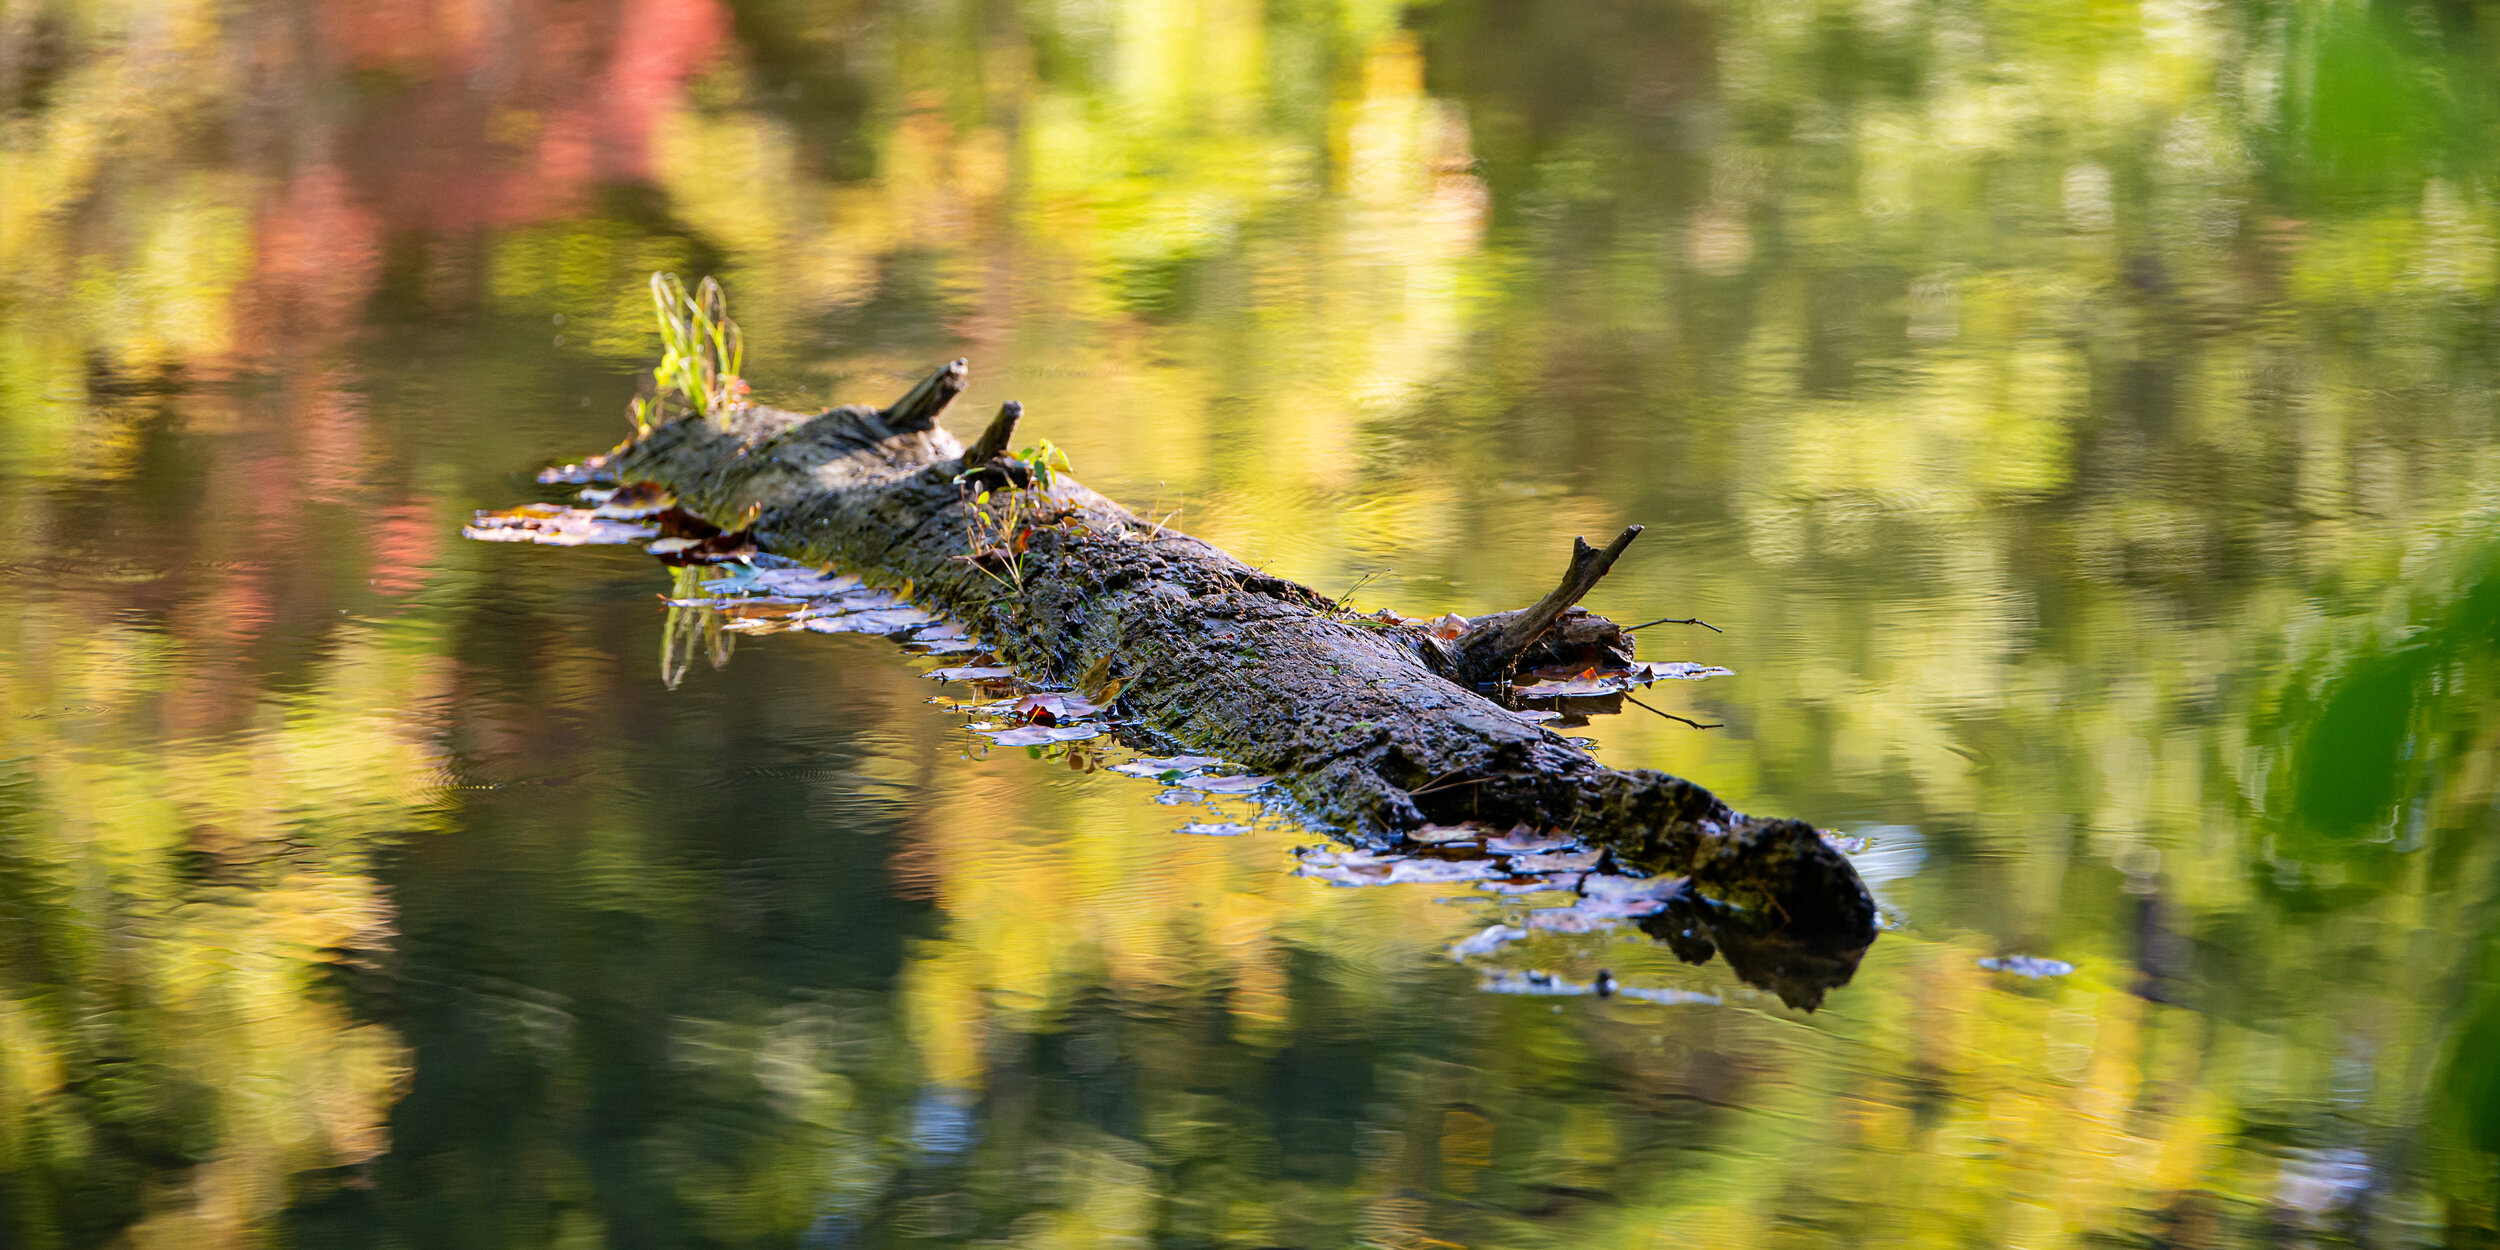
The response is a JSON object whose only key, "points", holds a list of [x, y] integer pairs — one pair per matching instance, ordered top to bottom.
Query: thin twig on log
{"points": [[1676, 620]]}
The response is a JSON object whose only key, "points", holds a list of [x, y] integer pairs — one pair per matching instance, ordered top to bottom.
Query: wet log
{"points": [[1374, 727]]}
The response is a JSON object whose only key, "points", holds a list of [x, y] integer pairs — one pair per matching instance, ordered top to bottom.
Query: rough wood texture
{"points": [[1373, 728]]}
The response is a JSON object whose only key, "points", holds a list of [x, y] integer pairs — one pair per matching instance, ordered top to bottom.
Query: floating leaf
{"points": [[634, 501], [554, 525], [672, 546], [713, 548], [741, 580], [807, 583], [871, 600], [761, 608], [884, 621], [1648, 671], [976, 672], [1599, 681], [1582, 686], [1051, 709], [1537, 717], [1036, 735], [1175, 766], [1226, 785], [1214, 829], [1438, 835], [1525, 841], [1558, 861], [1368, 868], [1529, 885], [1630, 896], [1607, 901], [1571, 920], [1492, 938], [2027, 966], [1535, 983], [1543, 984], [1667, 997]]}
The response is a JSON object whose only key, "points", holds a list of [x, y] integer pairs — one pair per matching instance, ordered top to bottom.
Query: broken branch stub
{"points": [[986, 463], [1496, 645], [1372, 728]]}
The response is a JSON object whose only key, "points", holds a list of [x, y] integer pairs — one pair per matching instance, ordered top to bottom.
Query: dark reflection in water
{"points": [[2080, 421]]}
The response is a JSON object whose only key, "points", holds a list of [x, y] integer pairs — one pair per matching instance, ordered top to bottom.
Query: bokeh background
{"points": [[2080, 418]]}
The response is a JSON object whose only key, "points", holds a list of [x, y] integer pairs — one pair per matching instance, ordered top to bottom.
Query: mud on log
{"points": [[1373, 727]]}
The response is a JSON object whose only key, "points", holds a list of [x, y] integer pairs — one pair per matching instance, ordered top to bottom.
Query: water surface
{"points": [[2079, 419]]}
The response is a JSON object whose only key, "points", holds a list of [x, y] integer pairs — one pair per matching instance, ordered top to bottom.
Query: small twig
{"points": [[1345, 602], [1666, 620], [1670, 715], [1476, 781]]}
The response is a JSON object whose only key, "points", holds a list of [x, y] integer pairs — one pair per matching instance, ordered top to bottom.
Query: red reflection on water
{"points": [[474, 115], [317, 253]]}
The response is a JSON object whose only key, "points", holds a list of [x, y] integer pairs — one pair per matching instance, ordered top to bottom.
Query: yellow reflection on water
{"points": [[2078, 421]]}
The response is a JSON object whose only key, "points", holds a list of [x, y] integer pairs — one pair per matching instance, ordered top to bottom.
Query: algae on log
{"points": [[1373, 727]]}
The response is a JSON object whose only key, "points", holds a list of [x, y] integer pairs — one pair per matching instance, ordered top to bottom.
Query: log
{"points": [[1373, 726]]}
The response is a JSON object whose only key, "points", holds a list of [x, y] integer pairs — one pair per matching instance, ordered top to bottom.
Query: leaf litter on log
{"points": [[633, 501], [554, 525], [972, 672], [1596, 681], [1052, 709], [1036, 735], [1166, 768], [1226, 785], [1525, 841]]}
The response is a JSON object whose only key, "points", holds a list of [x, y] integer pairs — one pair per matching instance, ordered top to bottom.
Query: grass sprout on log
{"points": [[702, 352]]}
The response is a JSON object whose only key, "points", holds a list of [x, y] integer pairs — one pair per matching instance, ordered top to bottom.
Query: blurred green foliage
{"points": [[2079, 416]]}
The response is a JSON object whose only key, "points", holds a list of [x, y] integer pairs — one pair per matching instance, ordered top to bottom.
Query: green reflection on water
{"points": [[2079, 418]]}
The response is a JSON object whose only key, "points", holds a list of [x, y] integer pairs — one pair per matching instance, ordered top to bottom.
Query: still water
{"points": [[2079, 418]]}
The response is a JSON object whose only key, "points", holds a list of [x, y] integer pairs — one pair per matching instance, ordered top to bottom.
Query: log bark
{"points": [[1373, 727]]}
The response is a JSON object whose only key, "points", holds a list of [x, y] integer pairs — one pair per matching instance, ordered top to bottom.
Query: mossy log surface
{"points": [[1372, 727]]}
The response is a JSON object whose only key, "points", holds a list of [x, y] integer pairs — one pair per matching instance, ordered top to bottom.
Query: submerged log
{"points": [[1373, 726]]}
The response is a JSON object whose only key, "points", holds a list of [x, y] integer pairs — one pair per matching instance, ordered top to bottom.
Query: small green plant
{"points": [[702, 353], [1042, 459], [998, 522], [999, 533]]}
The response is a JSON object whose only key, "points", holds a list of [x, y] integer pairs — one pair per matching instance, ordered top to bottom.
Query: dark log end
{"points": [[919, 407]]}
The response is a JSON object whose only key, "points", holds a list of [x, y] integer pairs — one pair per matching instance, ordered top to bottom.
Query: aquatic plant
{"points": [[702, 353]]}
